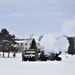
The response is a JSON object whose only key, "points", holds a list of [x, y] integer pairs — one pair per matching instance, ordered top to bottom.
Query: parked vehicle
{"points": [[29, 54]]}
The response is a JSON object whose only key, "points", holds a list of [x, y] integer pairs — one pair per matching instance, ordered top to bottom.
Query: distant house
{"points": [[23, 44]]}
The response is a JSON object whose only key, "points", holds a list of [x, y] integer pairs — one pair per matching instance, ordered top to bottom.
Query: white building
{"points": [[24, 44]]}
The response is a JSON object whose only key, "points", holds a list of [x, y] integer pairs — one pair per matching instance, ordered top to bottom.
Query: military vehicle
{"points": [[29, 54], [32, 55], [43, 57], [56, 57]]}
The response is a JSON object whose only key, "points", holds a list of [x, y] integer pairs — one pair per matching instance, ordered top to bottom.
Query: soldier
{"points": [[14, 54]]}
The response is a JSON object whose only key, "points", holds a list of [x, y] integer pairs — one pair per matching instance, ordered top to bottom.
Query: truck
{"points": [[29, 54]]}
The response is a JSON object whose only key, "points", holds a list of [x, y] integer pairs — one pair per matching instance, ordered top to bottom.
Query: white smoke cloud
{"points": [[68, 27], [47, 42], [59, 42], [62, 44], [52, 45]]}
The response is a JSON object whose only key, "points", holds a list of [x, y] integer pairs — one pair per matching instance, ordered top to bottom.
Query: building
{"points": [[23, 44]]}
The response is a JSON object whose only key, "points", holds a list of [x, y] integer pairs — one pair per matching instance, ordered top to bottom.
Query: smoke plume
{"points": [[68, 27], [59, 42], [50, 44]]}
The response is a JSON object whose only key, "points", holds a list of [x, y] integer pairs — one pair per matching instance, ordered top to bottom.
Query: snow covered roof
{"points": [[20, 41]]}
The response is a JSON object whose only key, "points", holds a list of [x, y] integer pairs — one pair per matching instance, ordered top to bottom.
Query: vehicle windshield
{"points": [[29, 52]]}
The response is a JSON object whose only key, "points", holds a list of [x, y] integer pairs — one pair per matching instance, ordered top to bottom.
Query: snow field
{"points": [[15, 66]]}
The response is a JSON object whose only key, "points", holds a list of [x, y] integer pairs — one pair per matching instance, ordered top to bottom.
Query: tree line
{"points": [[7, 42]]}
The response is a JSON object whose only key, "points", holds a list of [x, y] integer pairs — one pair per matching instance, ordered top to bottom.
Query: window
{"points": [[21, 44], [26, 44], [26, 48]]}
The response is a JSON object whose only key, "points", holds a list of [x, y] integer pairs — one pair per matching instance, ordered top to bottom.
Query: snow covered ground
{"points": [[15, 66]]}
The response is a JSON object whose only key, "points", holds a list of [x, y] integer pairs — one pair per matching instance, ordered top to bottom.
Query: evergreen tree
{"points": [[7, 41], [33, 44], [71, 49]]}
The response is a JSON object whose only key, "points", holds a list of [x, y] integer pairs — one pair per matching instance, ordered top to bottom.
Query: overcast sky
{"points": [[25, 17]]}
